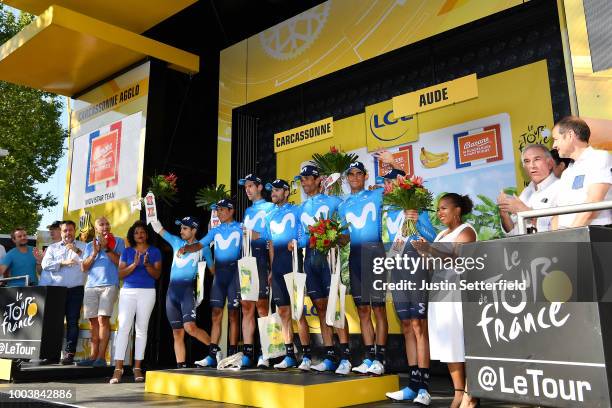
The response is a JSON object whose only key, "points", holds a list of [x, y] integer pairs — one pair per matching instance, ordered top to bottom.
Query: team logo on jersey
{"points": [[260, 217], [308, 220], [358, 222], [393, 225], [279, 227], [223, 243], [185, 259]]}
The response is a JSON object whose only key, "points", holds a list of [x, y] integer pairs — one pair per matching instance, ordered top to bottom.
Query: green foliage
{"points": [[31, 131], [333, 161], [208, 196], [484, 218]]}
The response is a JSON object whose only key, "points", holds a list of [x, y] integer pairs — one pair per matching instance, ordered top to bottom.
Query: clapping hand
{"points": [[510, 203], [102, 241], [96, 246], [421, 246], [38, 255], [137, 256], [145, 261]]}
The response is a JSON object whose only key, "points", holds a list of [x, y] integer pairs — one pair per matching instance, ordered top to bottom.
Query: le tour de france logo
{"points": [[19, 314]]}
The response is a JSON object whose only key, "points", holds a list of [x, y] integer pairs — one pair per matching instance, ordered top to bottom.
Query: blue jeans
{"points": [[74, 301]]}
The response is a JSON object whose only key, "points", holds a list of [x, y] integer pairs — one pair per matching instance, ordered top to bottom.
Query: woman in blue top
{"points": [[139, 267]]}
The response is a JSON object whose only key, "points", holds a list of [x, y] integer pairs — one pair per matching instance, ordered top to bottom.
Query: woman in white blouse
{"points": [[445, 318]]}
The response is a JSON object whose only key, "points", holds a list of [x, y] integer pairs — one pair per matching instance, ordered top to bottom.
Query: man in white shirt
{"points": [[587, 180], [540, 193], [62, 264]]}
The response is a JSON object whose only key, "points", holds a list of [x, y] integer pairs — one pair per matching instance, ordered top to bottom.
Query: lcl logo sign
{"points": [[386, 128]]}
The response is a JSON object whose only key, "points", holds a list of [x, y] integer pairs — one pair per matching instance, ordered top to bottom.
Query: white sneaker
{"points": [[208, 361], [288, 362], [261, 363], [305, 364], [325, 365], [363, 367], [344, 368], [376, 368], [423, 397]]}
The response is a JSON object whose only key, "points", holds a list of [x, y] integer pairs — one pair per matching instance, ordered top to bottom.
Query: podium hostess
{"points": [[548, 343]]}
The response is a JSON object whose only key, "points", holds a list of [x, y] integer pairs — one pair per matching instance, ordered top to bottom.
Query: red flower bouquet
{"points": [[163, 186], [408, 194], [324, 234]]}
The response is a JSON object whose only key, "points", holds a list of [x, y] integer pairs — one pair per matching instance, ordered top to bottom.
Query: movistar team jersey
{"points": [[317, 206], [362, 212], [255, 217], [282, 225], [392, 225], [227, 238], [184, 267]]}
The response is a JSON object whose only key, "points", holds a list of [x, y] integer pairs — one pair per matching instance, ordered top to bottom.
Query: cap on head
{"points": [[357, 165], [309, 170], [392, 175], [249, 177], [278, 183], [225, 203], [191, 222], [54, 225]]}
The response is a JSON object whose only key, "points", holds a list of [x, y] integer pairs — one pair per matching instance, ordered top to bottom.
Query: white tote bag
{"points": [[247, 271], [296, 285], [199, 287], [336, 309], [271, 334]]}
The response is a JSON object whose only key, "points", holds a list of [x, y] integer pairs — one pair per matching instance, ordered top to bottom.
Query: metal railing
{"points": [[566, 209], [26, 277]]}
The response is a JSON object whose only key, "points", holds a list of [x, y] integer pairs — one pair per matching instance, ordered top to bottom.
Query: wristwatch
{"points": [[108, 250]]}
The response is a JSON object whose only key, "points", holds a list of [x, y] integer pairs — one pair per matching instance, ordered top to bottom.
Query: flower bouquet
{"points": [[332, 165], [163, 186], [408, 194], [324, 234]]}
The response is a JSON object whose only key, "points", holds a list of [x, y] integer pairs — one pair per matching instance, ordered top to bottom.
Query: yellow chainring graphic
{"points": [[290, 38]]}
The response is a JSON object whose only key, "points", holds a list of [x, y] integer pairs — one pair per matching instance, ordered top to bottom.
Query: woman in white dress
{"points": [[445, 318]]}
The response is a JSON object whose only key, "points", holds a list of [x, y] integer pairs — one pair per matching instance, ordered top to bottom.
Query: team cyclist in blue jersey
{"points": [[361, 211], [255, 220], [281, 228], [227, 239], [318, 277], [180, 299], [410, 306]]}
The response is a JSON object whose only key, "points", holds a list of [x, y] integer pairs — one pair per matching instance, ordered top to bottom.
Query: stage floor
{"points": [[97, 393]]}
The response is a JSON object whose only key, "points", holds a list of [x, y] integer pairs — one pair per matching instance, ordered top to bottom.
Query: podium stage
{"points": [[271, 388]]}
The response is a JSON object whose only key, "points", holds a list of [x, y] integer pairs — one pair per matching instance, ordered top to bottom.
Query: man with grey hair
{"points": [[541, 192]]}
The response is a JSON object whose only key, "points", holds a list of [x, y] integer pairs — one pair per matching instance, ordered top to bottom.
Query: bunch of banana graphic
{"points": [[431, 160]]}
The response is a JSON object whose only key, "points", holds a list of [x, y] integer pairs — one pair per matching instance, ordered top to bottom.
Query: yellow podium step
{"points": [[270, 388]]}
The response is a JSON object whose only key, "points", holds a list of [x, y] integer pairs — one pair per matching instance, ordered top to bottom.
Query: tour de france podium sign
{"points": [[32, 325], [549, 344]]}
